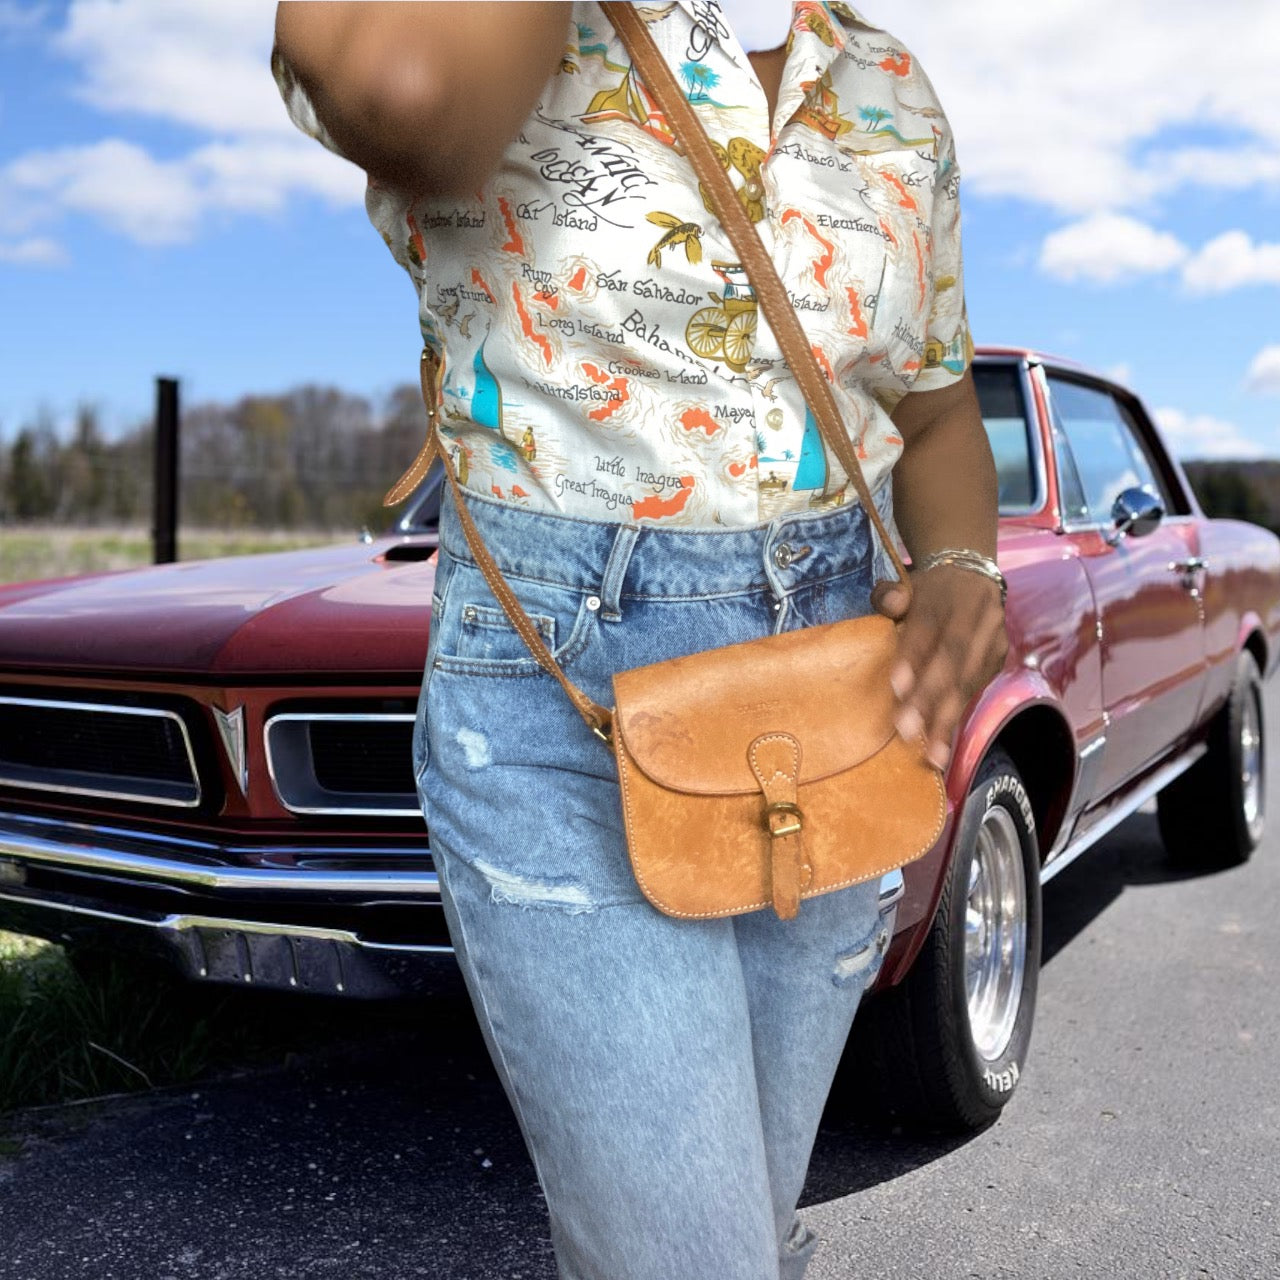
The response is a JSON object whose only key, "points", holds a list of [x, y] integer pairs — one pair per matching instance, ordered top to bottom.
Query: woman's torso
{"points": [[604, 356]]}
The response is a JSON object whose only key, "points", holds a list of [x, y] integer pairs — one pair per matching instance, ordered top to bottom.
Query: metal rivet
{"points": [[783, 556], [593, 603], [468, 614]]}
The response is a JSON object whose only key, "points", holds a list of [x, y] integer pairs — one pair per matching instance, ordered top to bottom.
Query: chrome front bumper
{"points": [[220, 912], [362, 921]]}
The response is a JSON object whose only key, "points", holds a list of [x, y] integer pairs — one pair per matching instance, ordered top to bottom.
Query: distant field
{"points": [[54, 551]]}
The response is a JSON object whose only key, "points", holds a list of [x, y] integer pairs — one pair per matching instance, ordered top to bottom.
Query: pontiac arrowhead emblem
{"points": [[231, 731]]}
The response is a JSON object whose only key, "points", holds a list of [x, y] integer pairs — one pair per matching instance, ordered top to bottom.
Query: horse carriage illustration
{"points": [[726, 331]]}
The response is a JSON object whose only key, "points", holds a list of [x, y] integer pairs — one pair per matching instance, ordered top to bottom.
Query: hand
{"points": [[951, 644]]}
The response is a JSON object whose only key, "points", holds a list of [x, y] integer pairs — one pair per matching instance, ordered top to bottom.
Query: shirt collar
{"points": [[837, 15], [820, 25]]}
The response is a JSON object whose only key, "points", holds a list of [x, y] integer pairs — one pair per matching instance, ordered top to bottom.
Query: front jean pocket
{"points": [[485, 632], [475, 636]]}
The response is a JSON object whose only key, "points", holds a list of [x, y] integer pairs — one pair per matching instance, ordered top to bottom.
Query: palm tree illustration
{"points": [[699, 77], [873, 115]]}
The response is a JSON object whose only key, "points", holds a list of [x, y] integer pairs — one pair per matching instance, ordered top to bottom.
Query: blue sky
{"points": [[159, 214]]}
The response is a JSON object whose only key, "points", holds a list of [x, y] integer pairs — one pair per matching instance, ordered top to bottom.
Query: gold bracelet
{"points": [[966, 558]]}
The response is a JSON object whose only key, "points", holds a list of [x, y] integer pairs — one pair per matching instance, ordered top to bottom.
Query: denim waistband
{"points": [[620, 561]]}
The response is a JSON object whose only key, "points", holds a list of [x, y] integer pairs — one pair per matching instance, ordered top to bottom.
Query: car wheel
{"points": [[1213, 815], [945, 1047]]}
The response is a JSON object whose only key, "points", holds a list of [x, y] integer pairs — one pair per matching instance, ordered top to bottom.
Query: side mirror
{"points": [[1136, 512]]}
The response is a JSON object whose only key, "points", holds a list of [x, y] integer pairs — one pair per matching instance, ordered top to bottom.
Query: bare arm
{"points": [[423, 96], [944, 485], [944, 495]]}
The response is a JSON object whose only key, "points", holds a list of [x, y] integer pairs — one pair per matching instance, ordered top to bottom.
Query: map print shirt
{"points": [[604, 356]]}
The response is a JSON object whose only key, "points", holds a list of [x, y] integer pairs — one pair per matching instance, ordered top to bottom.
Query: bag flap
{"points": [[689, 723]]}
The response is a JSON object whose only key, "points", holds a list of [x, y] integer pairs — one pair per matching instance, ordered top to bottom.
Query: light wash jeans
{"points": [[668, 1075]]}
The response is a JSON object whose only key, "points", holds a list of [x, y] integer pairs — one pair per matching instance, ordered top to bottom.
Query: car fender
{"points": [[1250, 624], [1010, 696]]}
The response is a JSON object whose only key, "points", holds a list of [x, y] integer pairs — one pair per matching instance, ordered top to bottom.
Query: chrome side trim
{"points": [[1157, 782], [295, 785], [117, 793]]}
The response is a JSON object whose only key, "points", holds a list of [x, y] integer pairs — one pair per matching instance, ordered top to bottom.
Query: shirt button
{"points": [[774, 419], [783, 555]]}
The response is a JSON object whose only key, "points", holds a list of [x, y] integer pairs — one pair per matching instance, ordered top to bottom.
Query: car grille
{"points": [[97, 749], [343, 762]]}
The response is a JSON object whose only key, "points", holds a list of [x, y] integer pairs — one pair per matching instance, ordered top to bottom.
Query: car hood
{"points": [[361, 607]]}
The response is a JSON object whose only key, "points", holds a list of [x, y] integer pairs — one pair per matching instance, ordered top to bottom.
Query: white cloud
{"points": [[187, 62], [192, 62], [1071, 104], [147, 199], [164, 201], [1107, 247], [35, 251], [1229, 261], [1264, 372], [1121, 373], [1203, 436]]}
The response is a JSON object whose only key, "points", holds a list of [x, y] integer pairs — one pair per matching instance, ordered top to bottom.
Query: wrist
{"points": [[965, 558]]}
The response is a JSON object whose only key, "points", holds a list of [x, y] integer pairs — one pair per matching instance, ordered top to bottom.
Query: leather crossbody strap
{"points": [[770, 292], [772, 297], [599, 719]]}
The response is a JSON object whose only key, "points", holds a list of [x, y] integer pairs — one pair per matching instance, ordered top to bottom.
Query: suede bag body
{"points": [[734, 800]]}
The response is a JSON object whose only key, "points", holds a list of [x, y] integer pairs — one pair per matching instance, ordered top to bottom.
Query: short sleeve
{"points": [[297, 102], [948, 350]]}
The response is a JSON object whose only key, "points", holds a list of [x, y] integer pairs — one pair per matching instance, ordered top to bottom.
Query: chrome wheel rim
{"points": [[1251, 759], [995, 933]]}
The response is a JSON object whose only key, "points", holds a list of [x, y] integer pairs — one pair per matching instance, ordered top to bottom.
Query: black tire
{"points": [[1212, 817], [913, 1059]]}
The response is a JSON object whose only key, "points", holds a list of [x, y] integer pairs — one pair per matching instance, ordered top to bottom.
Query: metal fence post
{"points": [[164, 530]]}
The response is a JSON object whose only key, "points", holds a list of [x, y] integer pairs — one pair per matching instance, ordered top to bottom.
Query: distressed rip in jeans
{"points": [[668, 1075]]}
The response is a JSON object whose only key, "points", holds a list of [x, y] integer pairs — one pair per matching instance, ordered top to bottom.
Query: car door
{"points": [[1147, 588]]}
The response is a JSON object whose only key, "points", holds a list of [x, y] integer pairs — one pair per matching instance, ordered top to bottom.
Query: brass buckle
{"points": [[783, 806]]}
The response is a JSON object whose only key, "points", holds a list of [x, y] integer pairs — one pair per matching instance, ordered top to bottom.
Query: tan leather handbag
{"points": [[762, 773]]}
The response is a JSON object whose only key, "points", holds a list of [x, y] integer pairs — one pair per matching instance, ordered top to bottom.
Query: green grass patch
{"points": [[28, 552], [117, 1024]]}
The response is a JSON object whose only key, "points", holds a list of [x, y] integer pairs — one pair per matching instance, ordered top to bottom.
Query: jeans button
{"points": [[783, 555]]}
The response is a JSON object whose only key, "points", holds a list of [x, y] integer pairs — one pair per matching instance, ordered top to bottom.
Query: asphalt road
{"points": [[1143, 1140]]}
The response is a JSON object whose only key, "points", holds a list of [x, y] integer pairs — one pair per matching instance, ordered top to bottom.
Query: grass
{"points": [[53, 551], [120, 1025]]}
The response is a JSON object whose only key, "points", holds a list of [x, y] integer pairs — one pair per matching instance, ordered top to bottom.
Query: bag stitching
{"points": [[662, 905]]}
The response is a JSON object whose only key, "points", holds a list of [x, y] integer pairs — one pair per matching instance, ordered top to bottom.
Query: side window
{"points": [[1004, 414], [1102, 453], [1071, 491]]}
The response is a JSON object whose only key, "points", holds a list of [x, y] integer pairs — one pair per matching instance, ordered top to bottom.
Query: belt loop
{"points": [[616, 571]]}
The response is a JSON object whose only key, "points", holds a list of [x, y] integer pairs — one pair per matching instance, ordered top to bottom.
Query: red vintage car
{"points": [[210, 761]]}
